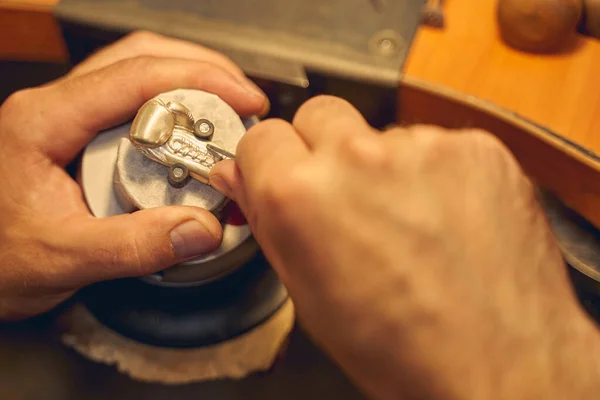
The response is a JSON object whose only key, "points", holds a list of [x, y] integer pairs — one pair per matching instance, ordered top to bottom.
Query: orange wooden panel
{"points": [[29, 31], [561, 91]]}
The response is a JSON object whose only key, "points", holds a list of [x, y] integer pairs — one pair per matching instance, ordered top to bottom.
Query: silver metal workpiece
{"points": [[167, 133]]}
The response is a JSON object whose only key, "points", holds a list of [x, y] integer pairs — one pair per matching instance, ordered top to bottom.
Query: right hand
{"points": [[418, 258]]}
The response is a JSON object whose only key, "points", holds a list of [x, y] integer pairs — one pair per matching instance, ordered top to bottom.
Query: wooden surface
{"points": [[28, 31], [561, 92]]}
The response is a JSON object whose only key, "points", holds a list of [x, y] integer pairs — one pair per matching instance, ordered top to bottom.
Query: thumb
{"points": [[140, 243]]}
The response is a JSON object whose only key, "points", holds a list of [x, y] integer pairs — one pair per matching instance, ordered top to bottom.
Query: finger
{"points": [[145, 43], [72, 112], [325, 121], [266, 152], [226, 177], [138, 244]]}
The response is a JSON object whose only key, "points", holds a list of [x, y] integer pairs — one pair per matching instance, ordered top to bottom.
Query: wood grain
{"points": [[559, 91]]}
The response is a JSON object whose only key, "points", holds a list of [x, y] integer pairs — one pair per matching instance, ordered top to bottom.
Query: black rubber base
{"points": [[190, 316]]}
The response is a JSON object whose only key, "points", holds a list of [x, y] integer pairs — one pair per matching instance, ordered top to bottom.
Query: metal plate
{"points": [[366, 40]]}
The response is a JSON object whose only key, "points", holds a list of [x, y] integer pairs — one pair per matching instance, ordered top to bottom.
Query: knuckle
{"points": [[141, 38], [223, 60], [140, 63], [17, 101], [319, 104], [15, 113], [272, 124], [253, 136], [487, 141], [435, 147], [490, 148], [364, 151], [493, 152], [131, 255], [143, 258], [107, 259]]}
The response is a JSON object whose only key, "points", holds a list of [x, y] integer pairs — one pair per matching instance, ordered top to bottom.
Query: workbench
{"points": [[561, 92]]}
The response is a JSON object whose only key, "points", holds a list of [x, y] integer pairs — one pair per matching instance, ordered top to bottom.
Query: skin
{"points": [[43, 215], [427, 269]]}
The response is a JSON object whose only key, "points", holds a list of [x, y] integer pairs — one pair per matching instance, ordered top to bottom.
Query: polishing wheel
{"points": [[162, 158]]}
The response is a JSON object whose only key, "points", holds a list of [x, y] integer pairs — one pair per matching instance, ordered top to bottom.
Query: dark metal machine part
{"points": [[294, 49], [580, 244], [192, 316]]}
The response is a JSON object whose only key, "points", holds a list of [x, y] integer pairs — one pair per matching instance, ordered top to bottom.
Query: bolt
{"points": [[386, 43], [387, 46], [204, 129], [177, 172], [178, 176]]}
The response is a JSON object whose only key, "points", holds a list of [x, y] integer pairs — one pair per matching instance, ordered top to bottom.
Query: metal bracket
{"points": [[354, 49]]}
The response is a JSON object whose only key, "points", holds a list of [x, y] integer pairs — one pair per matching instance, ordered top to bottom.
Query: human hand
{"points": [[50, 245], [418, 258]]}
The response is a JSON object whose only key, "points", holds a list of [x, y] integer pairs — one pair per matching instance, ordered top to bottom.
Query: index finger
{"points": [[144, 43], [75, 110], [265, 154]]}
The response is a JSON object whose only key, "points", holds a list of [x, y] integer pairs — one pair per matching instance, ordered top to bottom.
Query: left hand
{"points": [[50, 245]]}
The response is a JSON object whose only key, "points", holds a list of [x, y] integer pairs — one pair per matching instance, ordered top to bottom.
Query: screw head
{"points": [[387, 43], [387, 47], [204, 129], [178, 172], [179, 175]]}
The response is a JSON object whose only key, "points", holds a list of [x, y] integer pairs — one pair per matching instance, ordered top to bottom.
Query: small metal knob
{"points": [[204, 129], [168, 134]]}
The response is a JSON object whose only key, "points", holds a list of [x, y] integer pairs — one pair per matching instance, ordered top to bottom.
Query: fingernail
{"points": [[266, 108], [217, 182], [192, 239]]}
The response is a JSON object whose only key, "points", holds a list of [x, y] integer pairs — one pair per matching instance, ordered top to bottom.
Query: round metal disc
{"points": [[117, 179], [141, 183], [202, 302], [188, 317]]}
